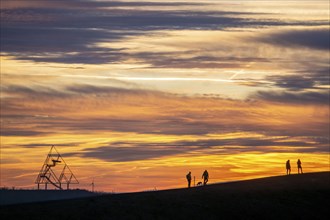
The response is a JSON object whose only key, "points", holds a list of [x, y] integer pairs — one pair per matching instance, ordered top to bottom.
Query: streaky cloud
{"points": [[62, 35], [317, 38], [302, 98], [130, 151]]}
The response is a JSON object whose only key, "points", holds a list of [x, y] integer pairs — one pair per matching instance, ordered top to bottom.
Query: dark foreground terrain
{"points": [[304, 196], [9, 197]]}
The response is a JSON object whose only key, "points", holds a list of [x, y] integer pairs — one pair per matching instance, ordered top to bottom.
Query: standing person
{"points": [[299, 166], [288, 167], [188, 176], [205, 176]]}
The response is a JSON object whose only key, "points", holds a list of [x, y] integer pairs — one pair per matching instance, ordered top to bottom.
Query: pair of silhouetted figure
{"points": [[288, 167], [205, 178]]}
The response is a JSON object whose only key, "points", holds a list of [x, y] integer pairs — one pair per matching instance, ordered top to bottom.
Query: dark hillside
{"points": [[304, 196]]}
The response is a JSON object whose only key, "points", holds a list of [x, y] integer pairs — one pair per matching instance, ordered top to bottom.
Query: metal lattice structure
{"points": [[55, 172]]}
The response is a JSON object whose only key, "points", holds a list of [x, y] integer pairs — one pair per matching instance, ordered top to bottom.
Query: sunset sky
{"points": [[135, 94]]}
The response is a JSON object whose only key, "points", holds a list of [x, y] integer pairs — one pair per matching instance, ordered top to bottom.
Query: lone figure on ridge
{"points": [[299, 166], [288, 167], [188, 176], [205, 176]]}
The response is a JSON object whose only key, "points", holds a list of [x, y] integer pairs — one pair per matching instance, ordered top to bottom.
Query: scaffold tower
{"points": [[55, 172]]}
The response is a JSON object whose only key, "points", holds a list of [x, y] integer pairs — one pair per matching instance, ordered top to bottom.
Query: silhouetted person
{"points": [[299, 166], [288, 168], [188, 176], [205, 177]]}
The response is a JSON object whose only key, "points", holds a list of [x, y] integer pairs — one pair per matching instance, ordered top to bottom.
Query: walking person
{"points": [[288, 167], [299, 167], [188, 176], [205, 177]]}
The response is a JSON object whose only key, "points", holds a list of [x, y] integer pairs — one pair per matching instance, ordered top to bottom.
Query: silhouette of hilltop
{"points": [[305, 196]]}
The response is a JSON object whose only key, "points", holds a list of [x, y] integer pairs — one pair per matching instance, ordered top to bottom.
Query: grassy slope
{"points": [[304, 196]]}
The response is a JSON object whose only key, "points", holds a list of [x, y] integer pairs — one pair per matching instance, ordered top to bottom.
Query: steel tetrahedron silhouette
{"points": [[55, 172]]}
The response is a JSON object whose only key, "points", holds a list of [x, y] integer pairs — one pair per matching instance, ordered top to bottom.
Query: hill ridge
{"points": [[304, 196]]}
